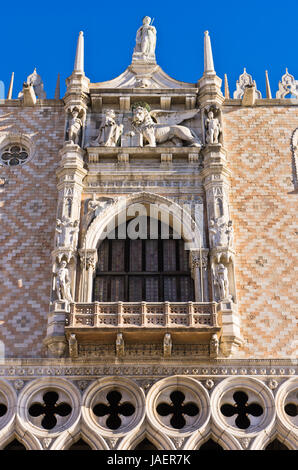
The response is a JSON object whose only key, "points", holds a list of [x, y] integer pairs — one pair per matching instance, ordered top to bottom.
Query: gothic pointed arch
{"points": [[179, 217], [146, 432], [225, 440], [15, 444]]}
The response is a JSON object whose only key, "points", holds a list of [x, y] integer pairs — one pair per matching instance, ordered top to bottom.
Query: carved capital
{"points": [[199, 258], [88, 259]]}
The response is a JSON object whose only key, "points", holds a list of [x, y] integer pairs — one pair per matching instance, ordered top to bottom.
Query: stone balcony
{"points": [[143, 321]]}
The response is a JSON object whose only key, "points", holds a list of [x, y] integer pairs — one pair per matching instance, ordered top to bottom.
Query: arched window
{"points": [[153, 269], [145, 444], [15, 445], [80, 445], [210, 445], [276, 445]]}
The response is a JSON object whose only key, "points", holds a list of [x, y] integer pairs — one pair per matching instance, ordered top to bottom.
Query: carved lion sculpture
{"points": [[166, 128]]}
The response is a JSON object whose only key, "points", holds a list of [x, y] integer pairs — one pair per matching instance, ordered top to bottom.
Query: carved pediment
{"points": [[149, 76]]}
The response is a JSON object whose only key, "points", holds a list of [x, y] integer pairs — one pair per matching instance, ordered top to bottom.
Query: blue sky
{"points": [[258, 35]]}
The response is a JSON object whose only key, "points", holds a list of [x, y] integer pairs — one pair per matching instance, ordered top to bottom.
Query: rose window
{"points": [[14, 155]]}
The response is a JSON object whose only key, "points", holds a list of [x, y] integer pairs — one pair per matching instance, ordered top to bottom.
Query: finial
{"points": [[208, 57], [79, 60], [57, 89], [268, 89], [227, 91], [9, 94]]}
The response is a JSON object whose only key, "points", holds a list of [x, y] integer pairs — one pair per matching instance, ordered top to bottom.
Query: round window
{"points": [[14, 155]]}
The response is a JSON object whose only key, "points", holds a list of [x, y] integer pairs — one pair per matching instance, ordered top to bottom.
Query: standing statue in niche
{"points": [[145, 41], [75, 125], [213, 129], [109, 131], [230, 234], [220, 276], [62, 283]]}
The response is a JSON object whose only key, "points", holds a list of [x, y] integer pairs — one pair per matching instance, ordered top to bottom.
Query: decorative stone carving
{"points": [[145, 41], [34, 80], [245, 80], [287, 86], [75, 124], [213, 128], [166, 129], [109, 131], [99, 205], [67, 232], [221, 233], [88, 261], [196, 261], [221, 281], [62, 283], [167, 345], [73, 346], [214, 346], [120, 348], [19, 384], [209, 384], [273, 384], [178, 441], [245, 441]]}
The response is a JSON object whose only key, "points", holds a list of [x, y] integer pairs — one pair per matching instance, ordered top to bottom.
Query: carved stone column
{"points": [[216, 181], [70, 185], [88, 260], [199, 273]]}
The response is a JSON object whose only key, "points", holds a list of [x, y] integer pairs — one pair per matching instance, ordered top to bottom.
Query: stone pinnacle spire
{"points": [[208, 57], [79, 60], [57, 89], [268, 89], [227, 91], [9, 94]]}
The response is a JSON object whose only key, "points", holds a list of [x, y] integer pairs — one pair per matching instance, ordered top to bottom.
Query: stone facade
{"points": [[76, 334]]}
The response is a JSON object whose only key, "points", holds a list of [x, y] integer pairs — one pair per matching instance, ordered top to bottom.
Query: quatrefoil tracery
{"points": [[14, 155], [49, 409], [114, 409], [178, 409], [242, 409]]}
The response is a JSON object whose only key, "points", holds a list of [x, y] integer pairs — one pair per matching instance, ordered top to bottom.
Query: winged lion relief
{"points": [[160, 127]]}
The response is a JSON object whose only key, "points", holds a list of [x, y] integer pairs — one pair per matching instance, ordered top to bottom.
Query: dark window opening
{"points": [[152, 270], [145, 444], [15, 445], [80, 445], [210, 445], [276, 445]]}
